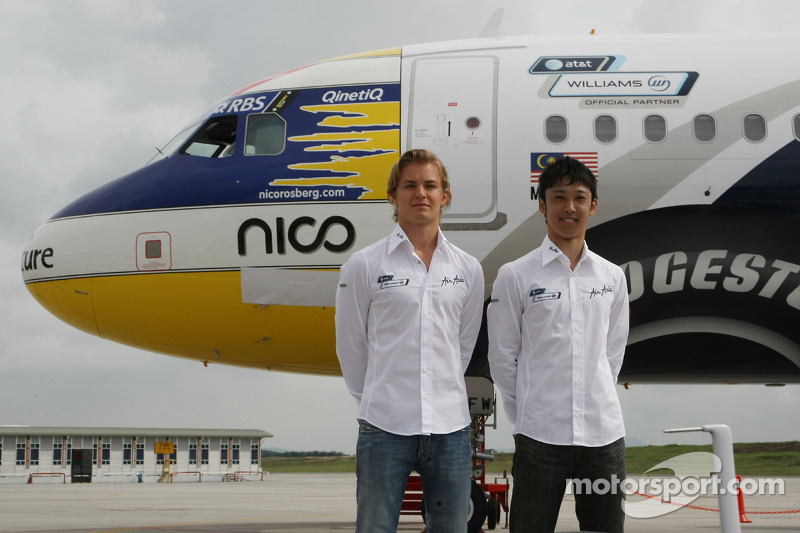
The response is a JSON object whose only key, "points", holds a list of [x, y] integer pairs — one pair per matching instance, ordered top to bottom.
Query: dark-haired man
{"points": [[558, 325]]}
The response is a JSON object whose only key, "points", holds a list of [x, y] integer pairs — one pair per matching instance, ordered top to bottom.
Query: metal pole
{"points": [[722, 445]]}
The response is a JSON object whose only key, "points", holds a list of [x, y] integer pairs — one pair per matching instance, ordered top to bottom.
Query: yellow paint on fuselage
{"points": [[374, 53], [354, 115], [357, 170], [70, 300], [197, 315]]}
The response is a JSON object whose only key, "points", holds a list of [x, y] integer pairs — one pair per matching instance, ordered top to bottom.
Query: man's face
{"points": [[419, 197], [567, 210]]}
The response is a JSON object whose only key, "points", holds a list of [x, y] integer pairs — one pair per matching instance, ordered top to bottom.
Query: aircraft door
{"points": [[452, 110]]}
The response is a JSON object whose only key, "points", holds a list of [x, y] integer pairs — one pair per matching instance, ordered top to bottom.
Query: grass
{"points": [[752, 459]]}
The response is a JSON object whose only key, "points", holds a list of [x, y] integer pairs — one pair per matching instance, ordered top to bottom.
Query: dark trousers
{"points": [[541, 472]]}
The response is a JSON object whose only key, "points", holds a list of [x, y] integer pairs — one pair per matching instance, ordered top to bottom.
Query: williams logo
{"points": [[623, 84], [394, 283], [540, 295]]}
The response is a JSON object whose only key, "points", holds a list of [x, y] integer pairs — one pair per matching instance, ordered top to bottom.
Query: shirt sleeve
{"points": [[352, 310], [471, 316], [504, 318], [618, 325]]}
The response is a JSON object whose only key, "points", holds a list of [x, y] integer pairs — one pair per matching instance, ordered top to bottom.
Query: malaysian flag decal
{"points": [[540, 160]]}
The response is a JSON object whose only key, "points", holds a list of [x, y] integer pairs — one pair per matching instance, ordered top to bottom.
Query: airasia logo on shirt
{"points": [[455, 280], [601, 292]]}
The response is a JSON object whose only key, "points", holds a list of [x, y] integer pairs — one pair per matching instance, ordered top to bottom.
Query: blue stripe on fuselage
{"points": [[186, 181]]}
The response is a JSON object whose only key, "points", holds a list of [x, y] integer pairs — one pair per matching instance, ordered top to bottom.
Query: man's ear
{"points": [[542, 206], [593, 208]]}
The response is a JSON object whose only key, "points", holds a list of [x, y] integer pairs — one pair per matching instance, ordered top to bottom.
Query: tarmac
{"points": [[298, 503]]}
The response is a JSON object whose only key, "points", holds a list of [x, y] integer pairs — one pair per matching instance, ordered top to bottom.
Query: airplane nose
{"points": [[55, 267]]}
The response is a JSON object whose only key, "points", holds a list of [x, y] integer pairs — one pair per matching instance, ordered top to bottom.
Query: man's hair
{"points": [[416, 156], [569, 168]]}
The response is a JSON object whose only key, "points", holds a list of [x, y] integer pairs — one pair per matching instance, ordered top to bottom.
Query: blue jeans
{"points": [[384, 462], [541, 472]]}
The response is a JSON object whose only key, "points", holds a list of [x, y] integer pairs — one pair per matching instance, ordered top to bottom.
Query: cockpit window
{"points": [[266, 134], [215, 138], [173, 145]]}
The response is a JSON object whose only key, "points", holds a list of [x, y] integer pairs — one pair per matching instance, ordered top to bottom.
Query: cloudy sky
{"points": [[90, 87]]}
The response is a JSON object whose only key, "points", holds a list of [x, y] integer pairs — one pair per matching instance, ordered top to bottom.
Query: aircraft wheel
{"points": [[477, 509], [493, 514]]}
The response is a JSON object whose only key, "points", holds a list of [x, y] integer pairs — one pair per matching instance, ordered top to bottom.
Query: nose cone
{"points": [[55, 268]]}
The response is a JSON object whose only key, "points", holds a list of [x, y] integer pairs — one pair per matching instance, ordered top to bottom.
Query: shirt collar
{"points": [[398, 237], [550, 252]]}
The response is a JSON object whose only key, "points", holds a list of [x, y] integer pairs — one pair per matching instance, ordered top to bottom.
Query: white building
{"points": [[128, 455]]}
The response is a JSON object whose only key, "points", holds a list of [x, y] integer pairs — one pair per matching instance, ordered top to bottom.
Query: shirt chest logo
{"points": [[455, 280], [387, 281], [601, 292], [541, 295]]}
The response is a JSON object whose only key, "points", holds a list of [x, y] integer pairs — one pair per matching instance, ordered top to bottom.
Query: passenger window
{"points": [[796, 127], [655, 128], [704, 128], [755, 128], [555, 129], [605, 129], [266, 134], [213, 138]]}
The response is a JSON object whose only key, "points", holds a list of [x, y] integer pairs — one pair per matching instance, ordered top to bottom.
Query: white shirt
{"points": [[405, 334], [556, 341]]}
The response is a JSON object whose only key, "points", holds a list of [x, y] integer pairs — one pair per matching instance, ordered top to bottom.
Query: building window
{"points": [[655, 128], [704, 128], [755, 128], [555, 129], [605, 129], [1, 452], [57, 453], [127, 453], [140, 453], [20, 454], [34, 454], [69, 454], [94, 454], [192, 454], [204, 454], [223, 454], [235, 454], [255, 454], [105, 457]]}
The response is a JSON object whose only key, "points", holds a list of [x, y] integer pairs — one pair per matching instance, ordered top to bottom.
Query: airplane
{"points": [[225, 248]]}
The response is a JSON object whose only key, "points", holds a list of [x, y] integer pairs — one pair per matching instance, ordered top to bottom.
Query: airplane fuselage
{"points": [[226, 248]]}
